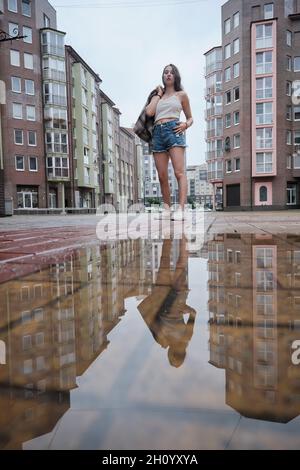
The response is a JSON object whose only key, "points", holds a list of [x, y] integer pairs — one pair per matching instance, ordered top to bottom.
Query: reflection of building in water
{"points": [[254, 319], [53, 324], [37, 327]]}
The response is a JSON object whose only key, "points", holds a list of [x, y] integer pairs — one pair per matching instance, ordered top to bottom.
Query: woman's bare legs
{"points": [[177, 158], [161, 162]]}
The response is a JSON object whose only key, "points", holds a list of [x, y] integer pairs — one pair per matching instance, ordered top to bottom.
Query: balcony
{"points": [[53, 50], [214, 67], [50, 74], [212, 90], [56, 99], [212, 112], [214, 133], [213, 154], [58, 174], [215, 175]]}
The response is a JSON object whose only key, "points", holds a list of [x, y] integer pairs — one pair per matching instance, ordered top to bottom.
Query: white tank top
{"points": [[168, 108]]}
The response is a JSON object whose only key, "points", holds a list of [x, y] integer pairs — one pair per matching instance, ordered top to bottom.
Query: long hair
{"points": [[177, 83]]}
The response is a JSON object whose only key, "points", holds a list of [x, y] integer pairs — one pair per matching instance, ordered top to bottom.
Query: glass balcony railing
{"points": [[53, 50], [210, 68], [50, 74], [211, 90], [213, 111], [210, 134], [213, 154], [215, 175]]}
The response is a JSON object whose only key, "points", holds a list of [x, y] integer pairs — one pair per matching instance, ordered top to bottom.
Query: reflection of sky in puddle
{"points": [[146, 345]]}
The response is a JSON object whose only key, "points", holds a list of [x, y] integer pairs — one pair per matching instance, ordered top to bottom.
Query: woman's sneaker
{"points": [[165, 214]]}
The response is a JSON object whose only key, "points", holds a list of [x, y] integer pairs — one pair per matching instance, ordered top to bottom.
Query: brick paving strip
{"points": [[28, 242]]}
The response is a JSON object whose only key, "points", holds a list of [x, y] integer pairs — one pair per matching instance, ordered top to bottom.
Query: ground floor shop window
{"points": [[291, 194], [27, 197], [52, 199]]}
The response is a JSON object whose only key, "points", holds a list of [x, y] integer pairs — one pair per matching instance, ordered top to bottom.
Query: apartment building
{"points": [[253, 113], [84, 134], [23, 166], [199, 189], [254, 320]]}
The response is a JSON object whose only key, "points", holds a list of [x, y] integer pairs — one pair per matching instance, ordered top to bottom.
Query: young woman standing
{"points": [[168, 139]]}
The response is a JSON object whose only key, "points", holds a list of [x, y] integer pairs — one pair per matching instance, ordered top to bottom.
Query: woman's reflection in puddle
{"points": [[169, 318]]}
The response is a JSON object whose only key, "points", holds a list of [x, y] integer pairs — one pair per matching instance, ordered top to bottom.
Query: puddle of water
{"points": [[146, 345]]}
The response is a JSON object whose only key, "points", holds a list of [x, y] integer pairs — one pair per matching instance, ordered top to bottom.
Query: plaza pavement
{"points": [[28, 241]]}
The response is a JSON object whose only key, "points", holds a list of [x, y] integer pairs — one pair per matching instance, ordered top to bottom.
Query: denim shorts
{"points": [[164, 137]]}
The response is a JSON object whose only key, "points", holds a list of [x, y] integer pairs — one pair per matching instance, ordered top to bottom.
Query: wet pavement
{"points": [[150, 344]]}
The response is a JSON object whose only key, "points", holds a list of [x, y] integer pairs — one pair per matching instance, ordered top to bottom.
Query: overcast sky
{"points": [[129, 47]]}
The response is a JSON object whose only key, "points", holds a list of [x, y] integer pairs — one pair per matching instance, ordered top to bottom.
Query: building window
{"points": [[12, 5], [26, 7], [289, 7], [268, 11], [236, 19], [46, 21], [227, 25], [13, 29], [28, 33], [264, 36], [289, 38], [236, 46], [227, 52], [15, 58], [28, 61], [264, 63], [289, 63], [296, 64], [236, 70], [228, 74], [16, 85], [29, 87], [264, 88], [289, 88], [236, 93], [228, 97], [17, 111], [30, 113], [264, 113], [289, 113], [296, 113], [56, 118], [236, 118], [227, 120], [18, 136], [289, 137], [32, 138], [264, 138], [297, 138], [236, 141], [56, 142], [296, 161], [264, 162], [289, 162], [19, 163], [33, 164], [237, 164], [228, 166], [58, 167], [263, 194], [291, 194], [27, 197]]}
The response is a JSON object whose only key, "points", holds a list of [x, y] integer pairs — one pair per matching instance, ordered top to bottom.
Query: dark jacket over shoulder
{"points": [[144, 125]]}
